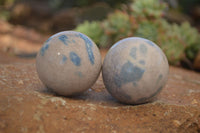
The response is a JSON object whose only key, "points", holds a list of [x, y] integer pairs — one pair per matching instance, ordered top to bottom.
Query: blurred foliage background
{"points": [[142, 18], [172, 24]]}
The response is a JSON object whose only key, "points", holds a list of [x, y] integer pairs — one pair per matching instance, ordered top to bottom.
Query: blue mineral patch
{"points": [[63, 38], [48, 39], [86, 39], [73, 41], [88, 44], [44, 48], [143, 49], [133, 52], [75, 58], [64, 59], [142, 62], [128, 73], [159, 78], [117, 81], [134, 84], [117, 91]]}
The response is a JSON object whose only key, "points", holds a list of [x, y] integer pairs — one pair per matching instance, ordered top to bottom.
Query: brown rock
{"points": [[98, 11], [20, 12], [196, 12], [36, 14], [41, 16], [177, 17], [64, 20], [5, 27], [19, 40], [197, 62], [28, 106]]}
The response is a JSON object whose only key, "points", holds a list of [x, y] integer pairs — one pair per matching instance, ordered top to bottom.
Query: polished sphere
{"points": [[69, 62], [135, 70]]}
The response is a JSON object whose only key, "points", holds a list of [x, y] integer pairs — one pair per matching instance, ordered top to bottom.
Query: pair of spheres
{"points": [[134, 70]]}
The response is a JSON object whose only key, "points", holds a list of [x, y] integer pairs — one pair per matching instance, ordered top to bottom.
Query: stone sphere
{"points": [[69, 62], [135, 70]]}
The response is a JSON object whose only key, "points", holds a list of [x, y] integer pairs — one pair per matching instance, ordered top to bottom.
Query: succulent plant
{"points": [[148, 8], [144, 19], [117, 26], [92, 29], [147, 29], [190, 37], [178, 41]]}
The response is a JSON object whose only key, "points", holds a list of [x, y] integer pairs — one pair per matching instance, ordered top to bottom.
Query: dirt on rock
{"points": [[19, 40], [27, 106]]}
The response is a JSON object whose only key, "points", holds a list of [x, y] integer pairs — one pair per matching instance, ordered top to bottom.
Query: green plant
{"points": [[7, 2], [4, 8], [148, 8], [4, 15], [144, 19], [117, 26], [147, 29], [93, 30], [190, 37], [178, 41]]}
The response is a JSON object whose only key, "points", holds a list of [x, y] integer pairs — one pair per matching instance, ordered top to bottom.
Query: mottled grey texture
{"points": [[63, 38], [88, 44], [44, 48], [143, 49], [133, 52], [75, 58], [63, 60], [142, 62], [64, 63], [134, 70], [128, 73], [150, 97]]}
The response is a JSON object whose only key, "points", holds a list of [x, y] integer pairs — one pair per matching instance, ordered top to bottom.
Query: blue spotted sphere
{"points": [[69, 63], [135, 70]]}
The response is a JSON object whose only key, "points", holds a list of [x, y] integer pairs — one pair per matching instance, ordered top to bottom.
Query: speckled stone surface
{"points": [[69, 62], [135, 70], [26, 106]]}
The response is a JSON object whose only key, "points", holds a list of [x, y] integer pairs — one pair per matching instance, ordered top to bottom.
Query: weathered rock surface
{"points": [[44, 15], [19, 40], [197, 62], [27, 106]]}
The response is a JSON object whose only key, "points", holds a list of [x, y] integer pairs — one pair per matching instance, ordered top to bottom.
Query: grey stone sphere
{"points": [[69, 63], [135, 70]]}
